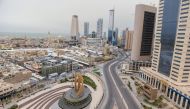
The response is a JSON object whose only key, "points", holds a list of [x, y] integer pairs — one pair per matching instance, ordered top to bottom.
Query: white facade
{"points": [[111, 20], [74, 28], [180, 70]]}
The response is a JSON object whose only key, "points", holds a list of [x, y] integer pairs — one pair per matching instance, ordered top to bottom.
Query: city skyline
{"points": [[37, 17], [71, 54]]}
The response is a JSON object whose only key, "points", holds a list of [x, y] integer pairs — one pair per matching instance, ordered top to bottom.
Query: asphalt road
{"points": [[117, 93]]}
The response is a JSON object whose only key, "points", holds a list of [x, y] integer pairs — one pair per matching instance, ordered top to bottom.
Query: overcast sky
{"points": [[55, 15]]}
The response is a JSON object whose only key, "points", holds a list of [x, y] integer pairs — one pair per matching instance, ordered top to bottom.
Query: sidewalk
{"points": [[131, 92], [97, 94], [141, 98]]}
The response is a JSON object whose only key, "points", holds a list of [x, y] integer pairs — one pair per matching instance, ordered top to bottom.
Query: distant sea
{"points": [[30, 35]]}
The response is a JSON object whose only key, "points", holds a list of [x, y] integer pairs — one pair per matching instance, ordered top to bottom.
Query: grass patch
{"points": [[96, 71], [64, 80], [89, 82], [139, 89], [158, 102], [14, 107], [146, 107]]}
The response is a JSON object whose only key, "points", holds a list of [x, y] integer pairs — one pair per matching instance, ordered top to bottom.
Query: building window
{"points": [[185, 73], [183, 81]]}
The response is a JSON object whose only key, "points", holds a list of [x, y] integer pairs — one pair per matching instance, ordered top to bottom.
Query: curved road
{"points": [[117, 93]]}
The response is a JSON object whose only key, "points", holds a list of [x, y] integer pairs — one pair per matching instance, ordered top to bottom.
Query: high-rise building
{"points": [[111, 26], [74, 28], [86, 28], [100, 28], [143, 32], [104, 36], [116, 36], [123, 38], [167, 38], [128, 40], [181, 54], [172, 59], [170, 70]]}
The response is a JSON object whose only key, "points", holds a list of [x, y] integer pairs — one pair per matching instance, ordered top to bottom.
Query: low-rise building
{"points": [[92, 41], [56, 66], [131, 66], [6, 89], [150, 92], [177, 93]]}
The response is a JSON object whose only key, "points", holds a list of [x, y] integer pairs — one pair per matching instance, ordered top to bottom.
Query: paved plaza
{"points": [[48, 99]]}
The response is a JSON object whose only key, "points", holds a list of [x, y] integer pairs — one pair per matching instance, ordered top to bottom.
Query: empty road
{"points": [[117, 93]]}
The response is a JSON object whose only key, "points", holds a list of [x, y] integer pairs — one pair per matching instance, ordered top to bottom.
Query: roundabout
{"points": [[63, 95], [77, 97], [70, 102]]}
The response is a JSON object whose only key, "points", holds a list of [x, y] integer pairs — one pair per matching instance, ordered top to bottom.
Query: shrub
{"points": [[98, 73], [132, 78], [64, 80], [136, 83], [129, 85], [158, 102], [14, 107], [146, 107]]}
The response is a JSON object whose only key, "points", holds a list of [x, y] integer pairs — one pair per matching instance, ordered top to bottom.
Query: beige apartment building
{"points": [[143, 32], [129, 40], [140, 41]]}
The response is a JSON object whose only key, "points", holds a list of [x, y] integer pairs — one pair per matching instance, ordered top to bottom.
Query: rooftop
{"points": [[5, 85]]}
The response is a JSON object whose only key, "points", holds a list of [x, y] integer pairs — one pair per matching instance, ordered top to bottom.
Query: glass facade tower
{"points": [[111, 26], [86, 28], [168, 35]]}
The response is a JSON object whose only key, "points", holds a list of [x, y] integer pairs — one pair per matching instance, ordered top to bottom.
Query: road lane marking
{"points": [[126, 106]]}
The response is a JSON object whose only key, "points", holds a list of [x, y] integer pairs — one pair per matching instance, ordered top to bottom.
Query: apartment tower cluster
{"points": [[170, 70]]}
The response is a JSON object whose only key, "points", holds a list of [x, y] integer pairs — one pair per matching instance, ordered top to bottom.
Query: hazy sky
{"points": [[55, 15]]}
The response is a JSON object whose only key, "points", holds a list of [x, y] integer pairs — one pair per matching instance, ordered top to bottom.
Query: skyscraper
{"points": [[111, 26], [74, 28], [86, 28], [100, 28], [143, 32], [104, 36], [116, 36], [167, 36], [123, 38], [128, 40], [181, 53], [170, 71]]}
